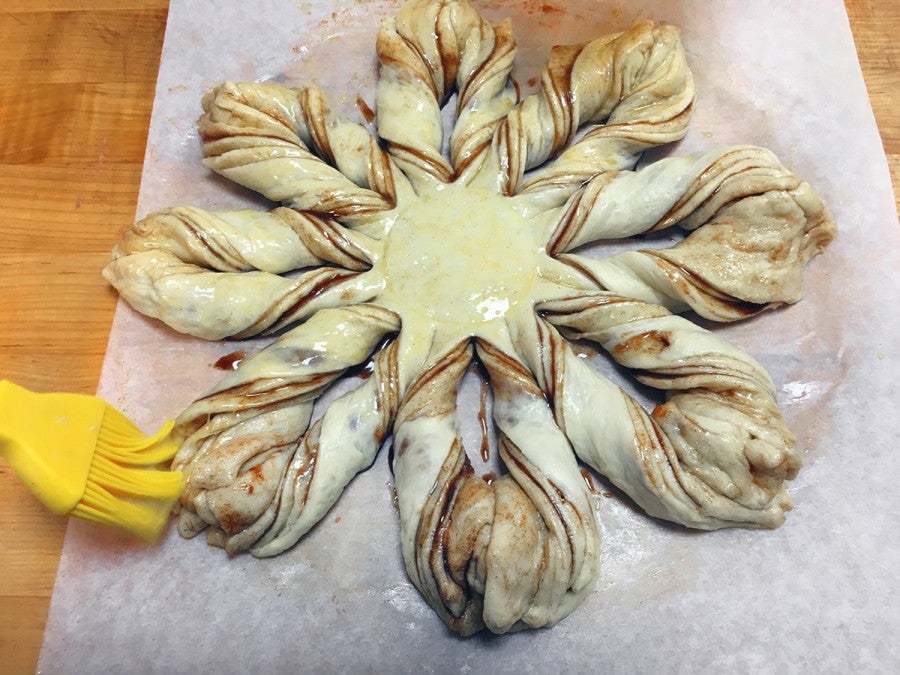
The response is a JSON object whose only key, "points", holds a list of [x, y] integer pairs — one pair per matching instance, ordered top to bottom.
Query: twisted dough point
{"points": [[426, 50], [637, 82], [287, 145], [756, 226], [278, 241], [215, 275], [215, 305], [714, 455], [253, 473], [519, 552]]}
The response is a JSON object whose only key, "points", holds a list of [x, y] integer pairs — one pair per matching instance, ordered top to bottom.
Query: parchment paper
{"points": [[819, 594]]}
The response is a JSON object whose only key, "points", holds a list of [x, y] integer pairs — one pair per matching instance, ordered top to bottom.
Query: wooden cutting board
{"points": [[76, 89]]}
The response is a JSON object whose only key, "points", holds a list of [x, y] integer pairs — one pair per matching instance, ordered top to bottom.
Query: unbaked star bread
{"points": [[426, 253]]}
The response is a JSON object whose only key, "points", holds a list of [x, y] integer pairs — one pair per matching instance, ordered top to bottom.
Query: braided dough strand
{"points": [[426, 50], [636, 81], [486, 93], [287, 145], [755, 225], [277, 241], [216, 275], [216, 305], [343, 442], [715, 454], [542, 466], [253, 473], [431, 474], [519, 551]]}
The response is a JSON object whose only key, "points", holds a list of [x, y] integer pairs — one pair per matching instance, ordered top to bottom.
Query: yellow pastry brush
{"points": [[80, 456]]}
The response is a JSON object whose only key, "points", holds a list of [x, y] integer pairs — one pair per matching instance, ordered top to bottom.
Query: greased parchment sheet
{"points": [[819, 595]]}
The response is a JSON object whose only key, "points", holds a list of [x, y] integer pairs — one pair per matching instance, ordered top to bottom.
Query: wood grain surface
{"points": [[76, 89]]}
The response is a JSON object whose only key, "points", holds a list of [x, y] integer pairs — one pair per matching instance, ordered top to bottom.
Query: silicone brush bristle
{"points": [[123, 489]]}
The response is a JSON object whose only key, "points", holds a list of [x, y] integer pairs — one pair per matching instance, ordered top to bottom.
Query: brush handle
{"points": [[49, 441]]}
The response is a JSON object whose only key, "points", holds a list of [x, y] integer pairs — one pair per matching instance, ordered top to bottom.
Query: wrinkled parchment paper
{"points": [[819, 594]]}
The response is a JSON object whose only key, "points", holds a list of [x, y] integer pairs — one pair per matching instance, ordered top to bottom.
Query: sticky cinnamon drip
{"points": [[367, 112], [230, 361], [482, 420], [589, 480]]}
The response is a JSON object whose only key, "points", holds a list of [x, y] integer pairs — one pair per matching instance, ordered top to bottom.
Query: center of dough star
{"points": [[461, 256]]}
